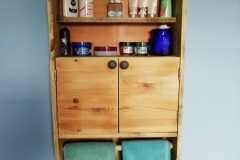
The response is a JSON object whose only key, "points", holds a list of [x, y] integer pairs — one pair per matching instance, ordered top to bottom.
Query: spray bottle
{"points": [[166, 8]]}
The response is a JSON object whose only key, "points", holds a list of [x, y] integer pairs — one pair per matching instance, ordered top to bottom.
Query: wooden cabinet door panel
{"points": [[148, 94], [87, 95]]}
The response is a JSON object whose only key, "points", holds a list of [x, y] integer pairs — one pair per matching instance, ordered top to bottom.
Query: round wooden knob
{"points": [[112, 64], [124, 65], [75, 100]]}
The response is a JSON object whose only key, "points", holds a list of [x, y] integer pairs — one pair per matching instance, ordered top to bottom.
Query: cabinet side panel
{"points": [[52, 29], [183, 40]]}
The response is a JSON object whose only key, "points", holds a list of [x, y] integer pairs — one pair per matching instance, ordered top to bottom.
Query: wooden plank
{"points": [[100, 20], [53, 49], [182, 66], [149, 86], [87, 95], [151, 102], [96, 125], [149, 125], [117, 135]]}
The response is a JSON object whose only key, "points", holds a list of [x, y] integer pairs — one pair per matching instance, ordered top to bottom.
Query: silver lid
{"points": [[114, 1]]}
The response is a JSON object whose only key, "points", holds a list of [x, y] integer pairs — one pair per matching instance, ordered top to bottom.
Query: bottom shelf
{"points": [[118, 151]]}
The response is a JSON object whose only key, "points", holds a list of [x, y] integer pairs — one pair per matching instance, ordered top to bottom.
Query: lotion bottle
{"points": [[70, 8], [166, 8]]}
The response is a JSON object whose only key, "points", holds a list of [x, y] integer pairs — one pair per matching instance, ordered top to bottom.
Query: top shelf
{"points": [[115, 20]]}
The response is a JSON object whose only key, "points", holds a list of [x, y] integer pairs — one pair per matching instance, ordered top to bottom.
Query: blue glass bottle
{"points": [[161, 41]]}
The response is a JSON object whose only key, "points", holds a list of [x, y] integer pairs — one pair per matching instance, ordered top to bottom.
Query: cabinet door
{"points": [[148, 94], [87, 95]]}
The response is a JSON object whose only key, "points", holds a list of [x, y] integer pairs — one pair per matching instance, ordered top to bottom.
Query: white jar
{"points": [[70, 8], [86, 8]]}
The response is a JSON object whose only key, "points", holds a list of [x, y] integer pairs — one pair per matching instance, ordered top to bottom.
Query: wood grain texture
{"points": [[53, 48], [182, 65], [148, 94], [87, 95], [132, 135]]}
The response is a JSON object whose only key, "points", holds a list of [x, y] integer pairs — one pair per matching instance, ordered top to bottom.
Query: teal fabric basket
{"points": [[146, 150], [90, 151]]}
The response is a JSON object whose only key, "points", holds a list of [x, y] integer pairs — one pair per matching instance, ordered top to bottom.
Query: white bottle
{"points": [[70, 8]]}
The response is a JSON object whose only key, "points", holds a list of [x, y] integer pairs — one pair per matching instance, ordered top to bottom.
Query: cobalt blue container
{"points": [[161, 41], [81, 48]]}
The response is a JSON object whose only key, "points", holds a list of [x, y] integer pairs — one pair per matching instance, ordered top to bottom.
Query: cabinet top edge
{"points": [[148, 57]]}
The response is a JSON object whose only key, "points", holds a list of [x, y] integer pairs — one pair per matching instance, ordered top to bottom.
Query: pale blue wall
{"points": [[25, 114], [211, 123]]}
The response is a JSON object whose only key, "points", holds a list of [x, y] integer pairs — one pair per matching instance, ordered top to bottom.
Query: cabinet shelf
{"points": [[115, 20], [117, 135]]}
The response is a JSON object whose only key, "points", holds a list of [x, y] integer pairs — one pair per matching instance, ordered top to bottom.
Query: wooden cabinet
{"points": [[92, 98], [92, 101]]}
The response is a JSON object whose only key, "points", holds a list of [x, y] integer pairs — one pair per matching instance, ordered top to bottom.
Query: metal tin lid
{"points": [[114, 1], [127, 43], [142, 44], [106, 48]]}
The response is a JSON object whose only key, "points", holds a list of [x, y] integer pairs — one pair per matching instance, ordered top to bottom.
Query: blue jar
{"points": [[161, 41], [81, 48]]}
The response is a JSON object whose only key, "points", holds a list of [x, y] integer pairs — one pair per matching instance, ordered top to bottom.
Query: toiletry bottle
{"points": [[70, 8], [86, 8], [114, 8], [132, 8], [142, 8], [152, 8], [166, 8], [65, 42], [161, 43]]}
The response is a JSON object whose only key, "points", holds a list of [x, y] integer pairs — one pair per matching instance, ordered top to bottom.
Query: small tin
{"points": [[81, 48], [127, 48], [142, 48], [105, 51]]}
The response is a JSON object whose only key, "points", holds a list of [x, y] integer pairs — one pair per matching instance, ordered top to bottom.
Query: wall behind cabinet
{"points": [[211, 101], [25, 113]]}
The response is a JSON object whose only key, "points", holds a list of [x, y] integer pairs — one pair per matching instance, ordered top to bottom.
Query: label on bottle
{"points": [[73, 6], [133, 7], [86, 8], [142, 8], [72, 10], [114, 13], [165, 45], [127, 49], [63, 50], [142, 50], [82, 51]]}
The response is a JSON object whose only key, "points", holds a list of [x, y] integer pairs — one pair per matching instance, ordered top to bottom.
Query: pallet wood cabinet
{"points": [[93, 102]]}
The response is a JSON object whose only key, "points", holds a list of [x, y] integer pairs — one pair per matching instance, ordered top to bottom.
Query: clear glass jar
{"points": [[114, 8], [127, 48], [142, 49]]}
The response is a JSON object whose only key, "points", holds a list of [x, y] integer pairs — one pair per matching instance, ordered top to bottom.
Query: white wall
{"points": [[211, 123], [211, 128]]}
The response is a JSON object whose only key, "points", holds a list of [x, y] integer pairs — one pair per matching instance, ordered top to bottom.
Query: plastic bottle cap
{"points": [[164, 26]]}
